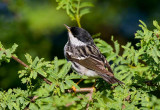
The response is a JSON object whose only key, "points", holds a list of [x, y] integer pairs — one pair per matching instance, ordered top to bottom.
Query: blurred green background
{"points": [[37, 27]]}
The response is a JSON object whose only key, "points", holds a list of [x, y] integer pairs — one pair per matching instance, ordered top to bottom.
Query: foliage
{"points": [[75, 8], [138, 68], [13, 99]]}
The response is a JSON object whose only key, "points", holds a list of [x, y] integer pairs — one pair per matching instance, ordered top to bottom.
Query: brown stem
{"points": [[19, 61], [25, 65], [150, 83], [87, 89], [89, 95], [90, 98], [126, 99], [32, 100], [69, 104]]}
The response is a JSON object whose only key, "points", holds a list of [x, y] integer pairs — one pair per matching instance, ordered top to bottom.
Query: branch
{"points": [[157, 35], [25, 65], [150, 83], [89, 89], [90, 98], [126, 99], [32, 100]]}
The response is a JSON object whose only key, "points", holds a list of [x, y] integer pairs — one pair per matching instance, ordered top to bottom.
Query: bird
{"points": [[85, 57]]}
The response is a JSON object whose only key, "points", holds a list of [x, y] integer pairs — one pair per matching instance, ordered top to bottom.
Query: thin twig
{"points": [[157, 35], [19, 61], [25, 65], [150, 83], [87, 89], [89, 95], [90, 98], [126, 99], [32, 100], [69, 104]]}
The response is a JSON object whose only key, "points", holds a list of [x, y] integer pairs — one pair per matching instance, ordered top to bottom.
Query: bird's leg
{"points": [[94, 83], [93, 86], [74, 89]]}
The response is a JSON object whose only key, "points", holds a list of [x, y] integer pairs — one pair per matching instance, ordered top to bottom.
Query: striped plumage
{"points": [[85, 57]]}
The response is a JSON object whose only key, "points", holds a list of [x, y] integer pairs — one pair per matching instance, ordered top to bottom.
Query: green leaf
{"points": [[86, 4], [84, 12], [143, 23], [155, 23], [96, 35], [103, 43], [116, 45], [1, 46], [13, 48], [157, 51], [8, 53], [1, 54], [154, 55], [111, 57], [29, 58], [136, 59], [61, 62], [34, 64], [56, 67], [64, 70], [40, 71], [22, 73], [34, 74], [73, 76], [24, 80], [70, 83], [62, 87], [10, 91], [33, 106]]}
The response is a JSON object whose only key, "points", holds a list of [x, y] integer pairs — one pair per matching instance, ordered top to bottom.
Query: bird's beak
{"points": [[68, 28]]}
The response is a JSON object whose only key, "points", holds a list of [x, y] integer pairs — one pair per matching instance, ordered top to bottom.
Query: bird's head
{"points": [[79, 36]]}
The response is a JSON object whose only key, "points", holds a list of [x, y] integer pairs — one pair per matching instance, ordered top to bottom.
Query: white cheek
{"points": [[75, 41]]}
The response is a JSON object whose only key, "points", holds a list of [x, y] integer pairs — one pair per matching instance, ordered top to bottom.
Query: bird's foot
{"points": [[93, 86], [74, 88], [94, 89]]}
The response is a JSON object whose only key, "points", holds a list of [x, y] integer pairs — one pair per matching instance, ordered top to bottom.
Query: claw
{"points": [[73, 88], [94, 89]]}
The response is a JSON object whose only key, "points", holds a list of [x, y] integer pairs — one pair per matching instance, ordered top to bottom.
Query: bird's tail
{"points": [[110, 79]]}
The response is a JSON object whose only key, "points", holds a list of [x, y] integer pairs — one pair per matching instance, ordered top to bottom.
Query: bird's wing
{"points": [[90, 58], [92, 64], [106, 64]]}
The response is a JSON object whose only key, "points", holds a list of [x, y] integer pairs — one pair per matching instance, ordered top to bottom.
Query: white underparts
{"points": [[74, 41], [84, 71]]}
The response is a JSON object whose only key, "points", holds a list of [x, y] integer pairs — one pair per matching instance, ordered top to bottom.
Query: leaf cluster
{"points": [[75, 9]]}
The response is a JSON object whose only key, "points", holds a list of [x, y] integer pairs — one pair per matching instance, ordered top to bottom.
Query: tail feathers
{"points": [[109, 79]]}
